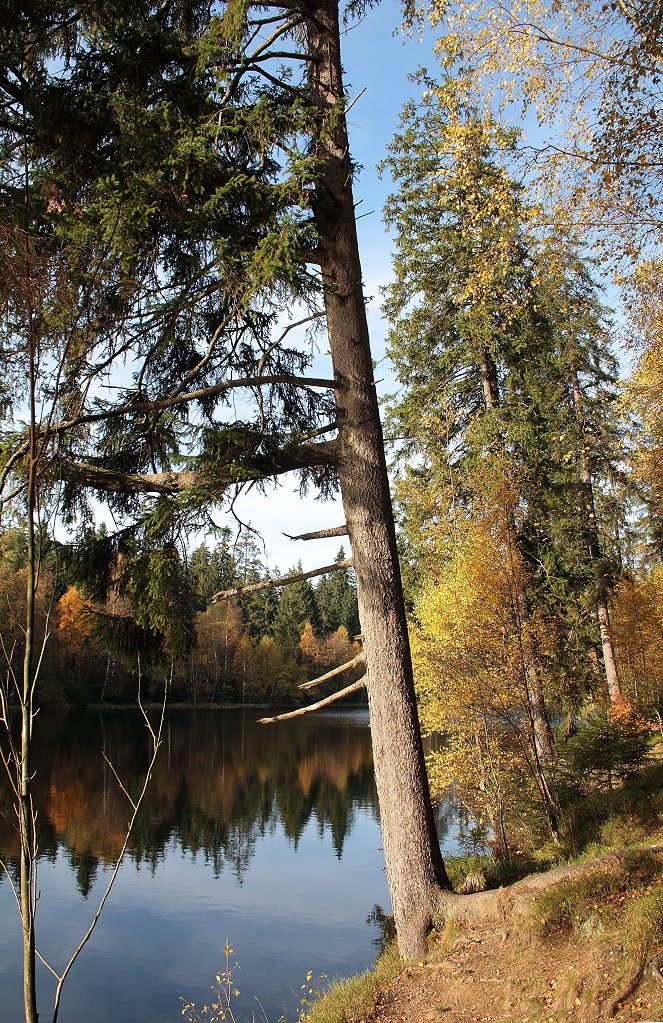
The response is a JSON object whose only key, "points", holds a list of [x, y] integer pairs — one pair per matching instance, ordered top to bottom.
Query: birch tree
{"points": [[589, 73]]}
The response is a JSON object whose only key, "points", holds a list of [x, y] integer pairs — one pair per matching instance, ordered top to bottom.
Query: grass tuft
{"points": [[602, 901], [352, 1000]]}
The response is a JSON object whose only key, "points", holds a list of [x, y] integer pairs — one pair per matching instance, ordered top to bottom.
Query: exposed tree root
{"points": [[506, 903], [626, 992]]}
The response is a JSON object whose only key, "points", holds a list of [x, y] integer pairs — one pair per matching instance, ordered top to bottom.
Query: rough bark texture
{"points": [[609, 658], [543, 737], [414, 865]]}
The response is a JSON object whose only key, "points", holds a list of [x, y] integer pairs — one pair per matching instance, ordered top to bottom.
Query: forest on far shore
{"points": [[257, 648]]}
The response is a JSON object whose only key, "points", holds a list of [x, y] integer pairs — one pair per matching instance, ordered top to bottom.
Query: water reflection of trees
{"points": [[221, 783]]}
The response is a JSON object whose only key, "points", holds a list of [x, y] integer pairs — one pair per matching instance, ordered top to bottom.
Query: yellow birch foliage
{"points": [[589, 74], [495, 213], [643, 394], [73, 612], [637, 623], [75, 641], [309, 645], [472, 645], [337, 648], [330, 652], [79, 657]]}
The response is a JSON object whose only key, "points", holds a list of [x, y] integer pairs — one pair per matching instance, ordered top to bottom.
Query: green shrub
{"points": [[611, 744]]}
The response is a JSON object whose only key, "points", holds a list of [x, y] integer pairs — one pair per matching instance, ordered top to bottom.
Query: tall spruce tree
{"points": [[462, 301], [485, 353], [593, 434], [211, 570], [336, 601], [296, 607]]}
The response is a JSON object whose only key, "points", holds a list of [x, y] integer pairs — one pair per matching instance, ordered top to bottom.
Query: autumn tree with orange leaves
{"points": [[473, 652]]}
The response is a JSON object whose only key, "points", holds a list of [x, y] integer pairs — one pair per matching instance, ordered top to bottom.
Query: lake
{"points": [[264, 836]]}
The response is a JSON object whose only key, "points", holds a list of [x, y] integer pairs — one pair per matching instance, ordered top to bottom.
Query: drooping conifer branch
{"points": [[250, 61], [284, 333], [201, 394], [151, 407], [304, 456], [321, 534], [271, 584], [359, 659], [359, 684], [156, 737]]}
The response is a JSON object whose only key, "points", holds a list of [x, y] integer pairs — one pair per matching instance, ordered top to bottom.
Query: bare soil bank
{"points": [[505, 975]]}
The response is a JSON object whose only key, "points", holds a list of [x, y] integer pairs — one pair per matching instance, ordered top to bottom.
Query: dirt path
{"points": [[489, 974]]}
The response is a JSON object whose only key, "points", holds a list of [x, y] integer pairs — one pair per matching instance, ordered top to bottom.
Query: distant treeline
{"points": [[257, 648]]}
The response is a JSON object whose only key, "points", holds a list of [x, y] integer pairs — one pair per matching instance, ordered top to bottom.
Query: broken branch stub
{"points": [[321, 534], [359, 684]]}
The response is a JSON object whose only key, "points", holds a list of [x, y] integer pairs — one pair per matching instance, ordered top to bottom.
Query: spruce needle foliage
{"points": [[154, 223], [502, 348], [611, 743]]}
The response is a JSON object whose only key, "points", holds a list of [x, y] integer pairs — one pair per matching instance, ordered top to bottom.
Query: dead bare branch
{"points": [[283, 335], [212, 390], [321, 534], [270, 584], [355, 662], [360, 684], [118, 780], [136, 805], [12, 883], [46, 963]]}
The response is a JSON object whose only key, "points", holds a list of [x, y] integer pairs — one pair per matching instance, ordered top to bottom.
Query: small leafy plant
{"points": [[219, 1009]]}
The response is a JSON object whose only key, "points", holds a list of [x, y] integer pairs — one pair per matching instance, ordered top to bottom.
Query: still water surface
{"points": [[264, 836]]}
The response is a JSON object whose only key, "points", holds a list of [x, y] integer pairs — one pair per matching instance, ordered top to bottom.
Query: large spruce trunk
{"points": [[415, 869]]}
